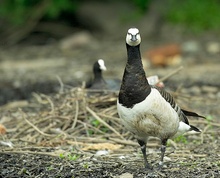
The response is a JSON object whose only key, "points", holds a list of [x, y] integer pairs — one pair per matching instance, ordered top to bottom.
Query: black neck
{"points": [[98, 75], [135, 87]]}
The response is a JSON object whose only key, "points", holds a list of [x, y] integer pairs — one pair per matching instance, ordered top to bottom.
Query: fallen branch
{"points": [[31, 152], [189, 155]]}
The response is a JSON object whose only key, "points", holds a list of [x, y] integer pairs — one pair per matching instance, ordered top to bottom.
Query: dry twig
{"points": [[103, 122], [32, 125]]}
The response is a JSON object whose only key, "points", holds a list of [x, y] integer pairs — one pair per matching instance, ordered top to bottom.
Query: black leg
{"points": [[143, 149], [163, 149]]}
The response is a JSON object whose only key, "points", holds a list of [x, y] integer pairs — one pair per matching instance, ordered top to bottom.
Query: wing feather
{"points": [[168, 97]]}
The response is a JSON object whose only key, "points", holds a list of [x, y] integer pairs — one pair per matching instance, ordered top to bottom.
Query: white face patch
{"points": [[133, 31], [133, 37], [102, 64]]}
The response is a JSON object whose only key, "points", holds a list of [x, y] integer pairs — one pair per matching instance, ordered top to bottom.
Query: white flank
{"points": [[152, 117], [183, 128]]}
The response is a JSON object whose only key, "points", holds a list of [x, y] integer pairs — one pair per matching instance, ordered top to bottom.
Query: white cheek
{"points": [[128, 39], [102, 64]]}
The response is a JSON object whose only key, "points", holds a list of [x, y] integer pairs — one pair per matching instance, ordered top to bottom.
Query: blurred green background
{"points": [[195, 15]]}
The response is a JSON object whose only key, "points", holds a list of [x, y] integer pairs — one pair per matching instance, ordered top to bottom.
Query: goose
{"points": [[99, 83], [147, 110]]}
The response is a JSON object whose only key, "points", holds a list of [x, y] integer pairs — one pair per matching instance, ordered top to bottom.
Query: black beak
{"points": [[133, 38]]}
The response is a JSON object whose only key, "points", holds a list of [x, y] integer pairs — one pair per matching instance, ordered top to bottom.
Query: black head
{"points": [[99, 66], [98, 82]]}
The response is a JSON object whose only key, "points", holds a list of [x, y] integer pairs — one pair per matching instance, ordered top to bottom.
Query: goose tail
{"points": [[190, 113], [194, 128]]}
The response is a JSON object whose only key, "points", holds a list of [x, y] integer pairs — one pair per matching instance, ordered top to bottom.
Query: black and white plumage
{"points": [[98, 82], [146, 110]]}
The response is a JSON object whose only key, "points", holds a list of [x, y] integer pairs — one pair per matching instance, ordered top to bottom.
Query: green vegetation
{"points": [[142, 5], [19, 11], [196, 15], [209, 118], [96, 124], [180, 139], [62, 155], [69, 156], [73, 157], [218, 163], [189, 165], [86, 166], [51, 167], [24, 171]]}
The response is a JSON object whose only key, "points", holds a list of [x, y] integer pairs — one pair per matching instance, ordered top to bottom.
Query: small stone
{"points": [[76, 40], [190, 46], [213, 47], [195, 90], [9, 144], [101, 153], [122, 157], [167, 158], [126, 175]]}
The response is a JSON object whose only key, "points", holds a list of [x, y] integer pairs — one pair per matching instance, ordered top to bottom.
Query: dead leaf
{"points": [[2, 129], [101, 146]]}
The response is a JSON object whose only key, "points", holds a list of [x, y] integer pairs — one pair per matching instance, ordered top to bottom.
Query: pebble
{"points": [[76, 40], [190, 46], [213, 47], [194, 90], [10, 144], [101, 153], [167, 159], [126, 175]]}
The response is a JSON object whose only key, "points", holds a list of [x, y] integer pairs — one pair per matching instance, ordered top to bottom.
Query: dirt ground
{"points": [[61, 132]]}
